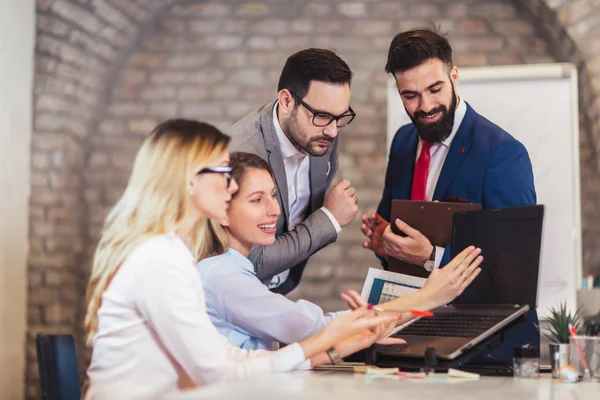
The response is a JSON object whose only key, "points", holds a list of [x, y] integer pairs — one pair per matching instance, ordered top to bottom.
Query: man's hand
{"points": [[342, 203], [373, 227], [415, 248]]}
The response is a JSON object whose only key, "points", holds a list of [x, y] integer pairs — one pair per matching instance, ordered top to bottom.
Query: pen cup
{"points": [[587, 347], [559, 356]]}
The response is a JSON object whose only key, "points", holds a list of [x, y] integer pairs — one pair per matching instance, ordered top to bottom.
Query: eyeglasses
{"points": [[322, 118], [226, 171]]}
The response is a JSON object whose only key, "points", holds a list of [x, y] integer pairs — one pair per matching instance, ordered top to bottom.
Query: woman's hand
{"points": [[445, 284], [442, 286], [353, 300], [357, 322], [345, 326], [367, 338]]}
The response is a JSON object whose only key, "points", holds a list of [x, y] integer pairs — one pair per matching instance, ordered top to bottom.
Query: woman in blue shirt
{"points": [[245, 310]]}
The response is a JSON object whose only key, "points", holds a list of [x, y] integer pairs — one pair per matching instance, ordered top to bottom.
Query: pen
{"points": [[414, 313], [586, 367]]}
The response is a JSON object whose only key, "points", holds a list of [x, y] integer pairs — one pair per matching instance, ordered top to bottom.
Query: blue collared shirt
{"points": [[247, 312]]}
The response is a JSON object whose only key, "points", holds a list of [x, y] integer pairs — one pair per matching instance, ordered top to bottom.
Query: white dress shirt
{"points": [[438, 153], [297, 169], [247, 312], [154, 332]]}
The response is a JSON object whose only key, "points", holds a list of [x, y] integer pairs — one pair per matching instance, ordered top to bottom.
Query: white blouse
{"points": [[154, 333]]}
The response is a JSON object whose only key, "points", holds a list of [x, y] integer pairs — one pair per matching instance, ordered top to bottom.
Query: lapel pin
{"points": [[461, 149]]}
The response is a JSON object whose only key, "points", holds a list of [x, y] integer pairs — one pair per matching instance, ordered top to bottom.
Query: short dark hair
{"points": [[412, 48], [313, 65], [240, 162]]}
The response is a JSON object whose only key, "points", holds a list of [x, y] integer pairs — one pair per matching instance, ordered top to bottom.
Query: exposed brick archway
{"points": [[79, 48]]}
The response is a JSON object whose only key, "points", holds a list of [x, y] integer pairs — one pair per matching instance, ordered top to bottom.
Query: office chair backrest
{"points": [[57, 362]]}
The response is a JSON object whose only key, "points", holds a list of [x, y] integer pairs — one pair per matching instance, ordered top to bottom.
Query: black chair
{"points": [[57, 362]]}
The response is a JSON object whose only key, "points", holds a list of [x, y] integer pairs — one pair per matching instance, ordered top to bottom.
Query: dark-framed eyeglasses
{"points": [[322, 118], [226, 171]]}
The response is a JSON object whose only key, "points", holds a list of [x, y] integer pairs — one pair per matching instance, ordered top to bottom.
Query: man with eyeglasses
{"points": [[297, 136]]}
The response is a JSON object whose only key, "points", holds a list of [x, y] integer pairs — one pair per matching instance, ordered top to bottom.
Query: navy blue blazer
{"points": [[484, 165]]}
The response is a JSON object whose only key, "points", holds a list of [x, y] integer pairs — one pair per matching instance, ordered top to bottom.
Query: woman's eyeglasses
{"points": [[322, 118], [226, 171]]}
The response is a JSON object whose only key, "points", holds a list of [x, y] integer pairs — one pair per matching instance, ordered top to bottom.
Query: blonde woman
{"points": [[247, 312], [146, 317]]}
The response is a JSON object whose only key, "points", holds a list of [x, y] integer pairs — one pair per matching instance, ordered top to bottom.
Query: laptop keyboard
{"points": [[457, 325]]}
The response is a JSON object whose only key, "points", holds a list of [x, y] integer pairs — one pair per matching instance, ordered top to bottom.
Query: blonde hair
{"points": [[155, 202]]}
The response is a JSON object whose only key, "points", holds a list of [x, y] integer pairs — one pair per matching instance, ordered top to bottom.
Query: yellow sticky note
{"points": [[368, 369], [455, 373]]}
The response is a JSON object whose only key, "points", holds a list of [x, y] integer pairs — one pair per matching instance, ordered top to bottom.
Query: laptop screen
{"points": [[510, 240]]}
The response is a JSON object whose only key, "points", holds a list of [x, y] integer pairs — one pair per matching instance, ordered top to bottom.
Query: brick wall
{"points": [[78, 46], [107, 71]]}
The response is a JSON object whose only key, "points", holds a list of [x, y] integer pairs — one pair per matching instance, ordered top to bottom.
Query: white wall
{"points": [[17, 30]]}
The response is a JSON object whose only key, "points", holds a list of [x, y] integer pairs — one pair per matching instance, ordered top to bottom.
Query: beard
{"points": [[438, 131], [301, 140]]}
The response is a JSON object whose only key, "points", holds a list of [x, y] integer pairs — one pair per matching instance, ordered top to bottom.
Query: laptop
{"points": [[505, 289]]}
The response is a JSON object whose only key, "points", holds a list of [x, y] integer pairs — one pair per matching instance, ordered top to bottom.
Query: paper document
{"points": [[382, 286]]}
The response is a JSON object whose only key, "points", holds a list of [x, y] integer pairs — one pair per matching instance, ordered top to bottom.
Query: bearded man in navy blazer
{"points": [[448, 153]]}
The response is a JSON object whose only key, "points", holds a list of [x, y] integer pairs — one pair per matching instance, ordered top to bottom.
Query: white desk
{"points": [[346, 386]]}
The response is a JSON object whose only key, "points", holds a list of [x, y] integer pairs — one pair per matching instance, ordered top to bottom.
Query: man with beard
{"points": [[297, 136], [448, 153]]}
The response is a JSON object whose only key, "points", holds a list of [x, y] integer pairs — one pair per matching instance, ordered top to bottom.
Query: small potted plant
{"points": [[557, 332]]}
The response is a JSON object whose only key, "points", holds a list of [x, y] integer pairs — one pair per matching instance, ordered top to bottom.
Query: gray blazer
{"points": [[255, 133]]}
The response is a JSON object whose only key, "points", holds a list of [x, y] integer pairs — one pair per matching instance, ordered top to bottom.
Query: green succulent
{"points": [[559, 320]]}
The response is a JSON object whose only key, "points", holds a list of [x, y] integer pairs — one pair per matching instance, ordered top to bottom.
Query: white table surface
{"points": [[347, 386]]}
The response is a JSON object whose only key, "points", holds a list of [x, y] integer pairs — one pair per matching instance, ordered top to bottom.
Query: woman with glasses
{"points": [[146, 314], [253, 317]]}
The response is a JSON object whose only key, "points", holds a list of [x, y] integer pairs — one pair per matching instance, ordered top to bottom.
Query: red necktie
{"points": [[419, 185]]}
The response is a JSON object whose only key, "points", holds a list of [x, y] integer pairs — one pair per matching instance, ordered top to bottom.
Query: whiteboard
{"points": [[537, 104]]}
